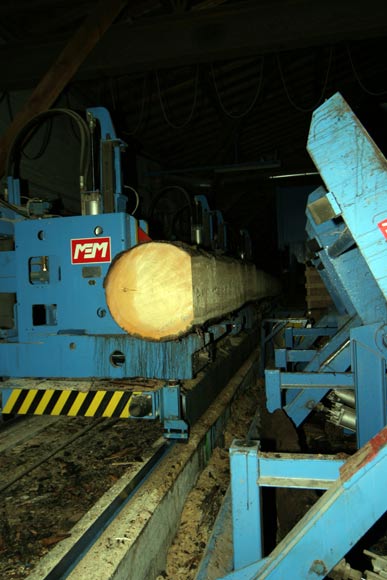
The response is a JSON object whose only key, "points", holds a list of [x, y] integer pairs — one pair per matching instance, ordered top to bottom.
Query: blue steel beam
{"points": [[108, 134], [272, 327], [313, 332], [283, 356], [334, 356], [337, 359], [369, 368], [313, 380], [309, 383], [299, 471], [246, 502], [329, 529]]}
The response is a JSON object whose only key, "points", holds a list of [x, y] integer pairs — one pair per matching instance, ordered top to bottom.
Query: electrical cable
{"points": [[360, 82], [113, 97], [255, 98], [290, 99], [9, 106], [163, 110], [38, 119], [139, 122], [71, 123], [22, 138], [44, 144], [161, 194], [137, 197], [14, 208], [176, 216], [9, 220]]}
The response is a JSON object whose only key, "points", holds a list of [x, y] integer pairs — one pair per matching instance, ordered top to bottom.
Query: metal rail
{"points": [[49, 456], [98, 523]]}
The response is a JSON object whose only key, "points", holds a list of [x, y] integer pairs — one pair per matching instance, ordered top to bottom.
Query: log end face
{"points": [[149, 291]]}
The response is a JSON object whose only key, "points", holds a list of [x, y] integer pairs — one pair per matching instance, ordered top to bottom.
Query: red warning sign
{"points": [[383, 227]]}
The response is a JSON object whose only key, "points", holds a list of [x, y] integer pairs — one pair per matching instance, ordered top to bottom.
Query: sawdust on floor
{"points": [[203, 503]]}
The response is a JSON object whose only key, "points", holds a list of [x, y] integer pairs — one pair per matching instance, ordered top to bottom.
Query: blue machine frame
{"points": [[348, 227], [63, 330], [328, 530]]}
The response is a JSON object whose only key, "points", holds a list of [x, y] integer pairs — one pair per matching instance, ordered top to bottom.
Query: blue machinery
{"points": [[60, 350], [337, 366]]}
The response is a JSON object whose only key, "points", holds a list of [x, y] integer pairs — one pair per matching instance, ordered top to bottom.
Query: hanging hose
{"points": [[26, 133], [176, 213]]}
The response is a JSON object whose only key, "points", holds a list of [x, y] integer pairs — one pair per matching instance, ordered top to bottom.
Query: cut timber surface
{"points": [[160, 290]]}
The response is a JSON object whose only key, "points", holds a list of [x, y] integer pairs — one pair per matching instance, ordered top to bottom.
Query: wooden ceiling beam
{"points": [[63, 70]]}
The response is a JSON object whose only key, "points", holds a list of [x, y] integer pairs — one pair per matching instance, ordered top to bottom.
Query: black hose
{"points": [[22, 138], [44, 144], [162, 193], [14, 208], [176, 213]]}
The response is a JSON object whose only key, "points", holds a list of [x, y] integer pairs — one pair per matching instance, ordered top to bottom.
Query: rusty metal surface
{"points": [[364, 456]]}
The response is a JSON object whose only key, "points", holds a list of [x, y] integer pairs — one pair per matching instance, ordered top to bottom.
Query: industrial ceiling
{"points": [[211, 92]]}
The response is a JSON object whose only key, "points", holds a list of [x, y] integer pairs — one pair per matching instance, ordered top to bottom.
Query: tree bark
{"points": [[160, 291]]}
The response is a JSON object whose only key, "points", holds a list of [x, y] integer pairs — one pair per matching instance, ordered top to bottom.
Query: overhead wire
{"points": [[360, 82], [325, 84], [112, 93], [255, 98], [9, 105], [142, 108], [163, 110], [71, 123], [136, 196]]}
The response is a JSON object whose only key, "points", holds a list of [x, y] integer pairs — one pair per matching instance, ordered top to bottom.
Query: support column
{"points": [[246, 503]]}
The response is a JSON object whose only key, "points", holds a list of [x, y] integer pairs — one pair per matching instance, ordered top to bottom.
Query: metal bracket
{"points": [[171, 412]]}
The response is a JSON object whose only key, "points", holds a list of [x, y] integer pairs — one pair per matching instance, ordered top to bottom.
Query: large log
{"points": [[160, 290]]}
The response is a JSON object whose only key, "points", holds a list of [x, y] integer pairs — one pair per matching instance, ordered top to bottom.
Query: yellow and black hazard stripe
{"points": [[70, 403]]}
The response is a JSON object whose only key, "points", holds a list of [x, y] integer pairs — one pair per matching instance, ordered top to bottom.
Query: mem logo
{"points": [[90, 250]]}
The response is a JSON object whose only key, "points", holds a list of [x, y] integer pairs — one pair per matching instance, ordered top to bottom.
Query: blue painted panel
{"points": [[355, 171], [7, 272], [347, 275], [77, 301], [85, 356]]}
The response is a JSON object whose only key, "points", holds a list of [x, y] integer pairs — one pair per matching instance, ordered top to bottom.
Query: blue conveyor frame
{"points": [[348, 221]]}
